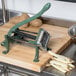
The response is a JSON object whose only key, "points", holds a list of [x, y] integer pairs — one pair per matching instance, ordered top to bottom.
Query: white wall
{"points": [[20, 5], [61, 10]]}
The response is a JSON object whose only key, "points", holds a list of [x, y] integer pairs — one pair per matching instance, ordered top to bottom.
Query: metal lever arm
{"points": [[44, 9], [6, 42]]}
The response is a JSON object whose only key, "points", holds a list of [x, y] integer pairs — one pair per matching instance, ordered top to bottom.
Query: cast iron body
{"points": [[17, 35]]}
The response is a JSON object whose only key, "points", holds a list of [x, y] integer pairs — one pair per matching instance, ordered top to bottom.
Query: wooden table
{"points": [[22, 56]]}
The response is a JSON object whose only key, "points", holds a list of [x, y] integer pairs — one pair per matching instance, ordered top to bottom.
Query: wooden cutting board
{"points": [[22, 56]]}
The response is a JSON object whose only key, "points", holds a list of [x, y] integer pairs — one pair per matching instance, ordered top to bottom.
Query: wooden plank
{"points": [[23, 56]]}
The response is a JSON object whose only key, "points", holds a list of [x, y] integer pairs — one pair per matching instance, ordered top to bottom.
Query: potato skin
{"points": [[24, 16], [36, 23]]}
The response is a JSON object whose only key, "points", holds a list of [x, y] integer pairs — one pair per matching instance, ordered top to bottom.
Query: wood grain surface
{"points": [[22, 56]]}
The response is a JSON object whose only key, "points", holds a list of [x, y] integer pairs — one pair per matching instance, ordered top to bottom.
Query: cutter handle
{"points": [[45, 8]]}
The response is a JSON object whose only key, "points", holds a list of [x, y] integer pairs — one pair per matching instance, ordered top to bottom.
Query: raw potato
{"points": [[18, 19], [36, 23], [61, 58], [61, 63]]}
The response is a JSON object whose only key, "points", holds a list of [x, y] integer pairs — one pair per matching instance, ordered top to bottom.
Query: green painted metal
{"points": [[44, 9], [6, 42], [36, 59]]}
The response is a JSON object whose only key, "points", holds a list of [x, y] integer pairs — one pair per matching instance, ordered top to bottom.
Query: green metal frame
{"points": [[6, 42]]}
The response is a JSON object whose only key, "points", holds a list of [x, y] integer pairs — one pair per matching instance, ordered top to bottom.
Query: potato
{"points": [[36, 23]]}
